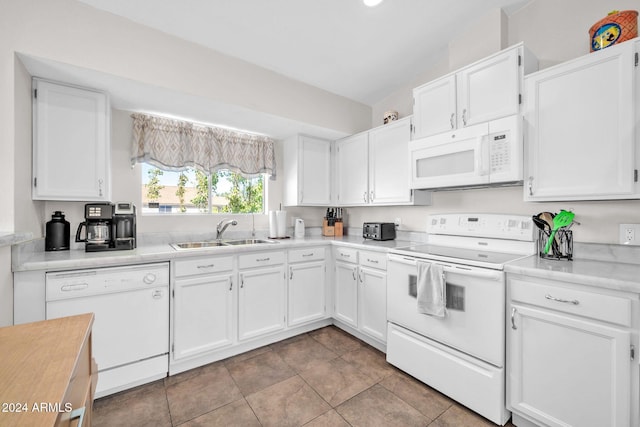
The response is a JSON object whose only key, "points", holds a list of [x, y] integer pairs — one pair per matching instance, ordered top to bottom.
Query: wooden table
{"points": [[47, 374]]}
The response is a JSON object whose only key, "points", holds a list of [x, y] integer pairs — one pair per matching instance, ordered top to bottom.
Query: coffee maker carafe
{"points": [[108, 227]]}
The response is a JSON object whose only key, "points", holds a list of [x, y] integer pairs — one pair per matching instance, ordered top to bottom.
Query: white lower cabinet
{"points": [[307, 288], [361, 291], [346, 293], [261, 299], [373, 300], [203, 306], [570, 355]]}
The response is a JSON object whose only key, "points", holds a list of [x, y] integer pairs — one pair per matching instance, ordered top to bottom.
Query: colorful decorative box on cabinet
{"points": [[616, 27]]}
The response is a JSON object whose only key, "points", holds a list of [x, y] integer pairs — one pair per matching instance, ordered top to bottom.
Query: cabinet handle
{"points": [[464, 117], [451, 120], [530, 185], [100, 187], [371, 194], [364, 197], [307, 255], [345, 255], [262, 259], [373, 261], [207, 266], [290, 273], [353, 273], [360, 276], [242, 281], [231, 283], [564, 301], [513, 318], [77, 413]]}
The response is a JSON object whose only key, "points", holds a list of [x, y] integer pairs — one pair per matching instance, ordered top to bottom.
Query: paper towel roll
{"points": [[281, 223], [273, 224]]}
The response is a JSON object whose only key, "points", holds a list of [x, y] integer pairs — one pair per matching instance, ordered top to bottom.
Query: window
{"points": [[193, 191]]}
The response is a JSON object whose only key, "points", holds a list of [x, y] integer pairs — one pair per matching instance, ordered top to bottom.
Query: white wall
{"points": [[555, 31], [74, 33]]}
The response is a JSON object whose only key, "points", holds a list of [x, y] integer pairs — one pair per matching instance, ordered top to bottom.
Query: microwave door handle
{"points": [[484, 157]]}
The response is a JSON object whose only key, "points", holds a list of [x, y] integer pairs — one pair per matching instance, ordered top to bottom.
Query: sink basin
{"points": [[248, 241], [197, 245]]}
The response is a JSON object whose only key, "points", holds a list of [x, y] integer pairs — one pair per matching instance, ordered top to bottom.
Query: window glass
{"points": [[193, 191]]}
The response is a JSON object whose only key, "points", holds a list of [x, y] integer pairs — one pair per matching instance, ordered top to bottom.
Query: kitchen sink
{"points": [[247, 241], [215, 243], [197, 245]]}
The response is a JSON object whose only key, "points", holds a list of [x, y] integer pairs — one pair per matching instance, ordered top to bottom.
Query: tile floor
{"points": [[322, 378]]}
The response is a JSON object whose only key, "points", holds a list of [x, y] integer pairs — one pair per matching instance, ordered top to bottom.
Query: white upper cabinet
{"points": [[485, 90], [434, 107], [580, 137], [71, 146], [372, 167], [352, 169], [307, 171]]}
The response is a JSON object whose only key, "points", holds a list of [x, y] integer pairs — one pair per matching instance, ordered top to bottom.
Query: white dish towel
{"points": [[432, 288]]}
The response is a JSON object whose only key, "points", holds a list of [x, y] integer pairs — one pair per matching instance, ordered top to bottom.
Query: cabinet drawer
{"points": [[308, 254], [346, 255], [260, 259], [374, 259], [191, 267], [593, 305]]}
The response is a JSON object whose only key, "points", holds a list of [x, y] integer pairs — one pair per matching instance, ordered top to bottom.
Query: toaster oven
{"points": [[379, 230]]}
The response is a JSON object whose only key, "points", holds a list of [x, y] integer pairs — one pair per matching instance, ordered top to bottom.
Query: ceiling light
{"points": [[372, 3]]}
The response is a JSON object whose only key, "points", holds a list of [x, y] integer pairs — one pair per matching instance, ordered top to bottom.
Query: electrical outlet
{"points": [[397, 222], [630, 234]]}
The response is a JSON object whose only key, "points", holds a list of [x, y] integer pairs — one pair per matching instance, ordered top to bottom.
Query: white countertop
{"points": [[12, 238], [73, 259], [603, 274]]}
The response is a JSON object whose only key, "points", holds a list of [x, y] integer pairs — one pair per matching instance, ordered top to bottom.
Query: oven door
{"points": [[452, 159], [474, 323]]}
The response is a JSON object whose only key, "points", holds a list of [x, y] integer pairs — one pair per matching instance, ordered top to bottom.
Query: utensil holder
{"points": [[562, 249]]}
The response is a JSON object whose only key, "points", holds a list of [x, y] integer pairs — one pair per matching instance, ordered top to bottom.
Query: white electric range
{"points": [[463, 353]]}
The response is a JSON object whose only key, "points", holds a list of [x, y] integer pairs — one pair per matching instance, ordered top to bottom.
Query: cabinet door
{"points": [[489, 89], [434, 107], [579, 128], [71, 148], [352, 169], [315, 171], [389, 175], [306, 292], [346, 293], [261, 301], [373, 302], [202, 314], [564, 370]]}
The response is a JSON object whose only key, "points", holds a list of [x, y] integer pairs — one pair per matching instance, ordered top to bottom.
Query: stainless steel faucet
{"points": [[222, 225]]}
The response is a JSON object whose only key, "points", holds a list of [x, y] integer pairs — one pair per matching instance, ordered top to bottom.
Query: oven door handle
{"points": [[452, 269]]}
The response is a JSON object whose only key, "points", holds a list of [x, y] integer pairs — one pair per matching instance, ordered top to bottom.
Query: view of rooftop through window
{"points": [[193, 191]]}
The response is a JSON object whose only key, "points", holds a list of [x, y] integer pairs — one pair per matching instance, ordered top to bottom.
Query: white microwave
{"points": [[479, 155]]}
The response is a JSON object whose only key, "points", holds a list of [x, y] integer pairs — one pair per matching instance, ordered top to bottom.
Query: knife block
{"points": [[333, 228], [328, 230]]}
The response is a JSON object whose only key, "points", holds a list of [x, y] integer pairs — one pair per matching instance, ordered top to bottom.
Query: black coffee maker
{"points": [[108, 227]]}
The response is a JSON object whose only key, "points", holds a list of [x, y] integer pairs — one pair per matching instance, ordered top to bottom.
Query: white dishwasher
{"points": [[131, 326]]}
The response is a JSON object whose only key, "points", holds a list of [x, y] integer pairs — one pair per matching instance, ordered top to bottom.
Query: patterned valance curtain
{"points": [[176, 145]]}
